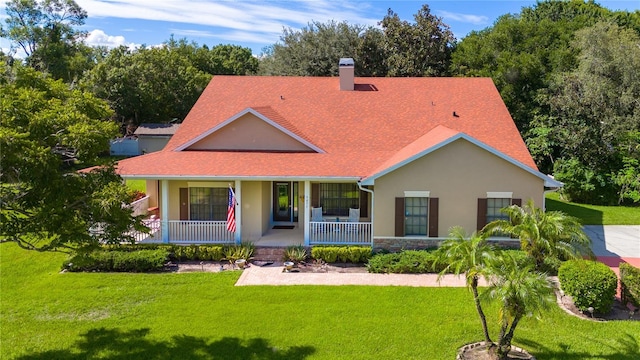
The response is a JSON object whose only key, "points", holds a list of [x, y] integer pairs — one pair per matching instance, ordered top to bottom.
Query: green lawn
{"points": [[140, 185], [595, 214], [45, 314]]}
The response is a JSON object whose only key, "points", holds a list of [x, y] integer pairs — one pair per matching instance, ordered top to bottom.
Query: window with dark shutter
{"points": [[482, 214], [399, 216], [433, 217]]}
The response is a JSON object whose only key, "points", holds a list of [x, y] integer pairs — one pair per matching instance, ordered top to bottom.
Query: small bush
{"points": [[235, 252], [295, 253], [345, 254], [119, 261], [404, 262], [630, 283], [590, 284]]}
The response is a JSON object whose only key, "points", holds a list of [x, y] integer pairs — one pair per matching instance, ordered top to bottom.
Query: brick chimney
{"points": [[347, 75]]}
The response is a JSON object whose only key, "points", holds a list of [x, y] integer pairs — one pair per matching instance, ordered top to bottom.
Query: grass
{"points": [[140, 185], [595, 214], [45, 314]]}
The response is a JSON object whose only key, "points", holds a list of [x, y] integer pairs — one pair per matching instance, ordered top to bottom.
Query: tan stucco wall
{"points": [[249, 133], [458, 174], [153, 192], [266, 205], [252, 210]]}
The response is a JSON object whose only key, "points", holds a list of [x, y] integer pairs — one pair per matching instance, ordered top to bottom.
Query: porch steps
{"points": [[268, 253]]}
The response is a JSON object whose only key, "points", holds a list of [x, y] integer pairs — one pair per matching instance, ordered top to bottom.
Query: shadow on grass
{"points": [[586, 215], [115, 344], [626, 347]]}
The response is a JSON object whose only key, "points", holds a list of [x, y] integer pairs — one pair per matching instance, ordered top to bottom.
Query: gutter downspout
{"points": [[372, 207]]}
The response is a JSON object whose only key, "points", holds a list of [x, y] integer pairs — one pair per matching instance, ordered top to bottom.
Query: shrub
{"points": [[211, 252], [235, 252], [295, 253], [346, 254], [119, 261], [404, 262], [630, 283], [590, 284]]}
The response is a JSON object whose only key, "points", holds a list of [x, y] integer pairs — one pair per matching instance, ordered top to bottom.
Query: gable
{"points": [[250, 131], [476, 146]]}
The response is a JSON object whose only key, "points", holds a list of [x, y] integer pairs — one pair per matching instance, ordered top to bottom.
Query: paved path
{"points": [[613, 244], [274, 275]]}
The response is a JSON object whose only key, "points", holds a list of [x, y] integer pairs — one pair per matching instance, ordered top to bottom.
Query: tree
{"points": [[44, 31], [399, 48], [419, 49], [313, 50], [523, 52], [219, 60], [147, 84], [593, 116], [44, 204], [547, 237], [470, 256], [521, 291]]}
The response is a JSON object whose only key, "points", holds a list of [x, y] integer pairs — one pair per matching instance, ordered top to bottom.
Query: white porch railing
{"points": [[140, 206], [181, 231], [189, 232], [340, 233]]}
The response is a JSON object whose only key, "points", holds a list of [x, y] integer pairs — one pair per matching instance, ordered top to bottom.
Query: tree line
{"points": [[567, 71]]}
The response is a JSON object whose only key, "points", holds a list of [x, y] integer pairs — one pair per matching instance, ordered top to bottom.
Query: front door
{"points": [[282, 201]]}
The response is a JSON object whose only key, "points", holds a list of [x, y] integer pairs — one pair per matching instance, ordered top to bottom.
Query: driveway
{"points": [[615, 243]]}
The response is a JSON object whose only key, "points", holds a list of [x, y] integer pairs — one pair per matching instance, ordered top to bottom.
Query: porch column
{"points": [[238, 206], [164, 211], [307, 211]]}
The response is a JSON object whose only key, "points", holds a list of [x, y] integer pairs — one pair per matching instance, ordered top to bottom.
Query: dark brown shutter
{"points": [[315, 195], [516, 202], [184, 204], [364, 204], [482, 213], [399, 216], [433, 217]]}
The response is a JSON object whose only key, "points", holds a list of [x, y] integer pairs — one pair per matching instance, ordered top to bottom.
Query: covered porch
{"points": [[267, 213]]}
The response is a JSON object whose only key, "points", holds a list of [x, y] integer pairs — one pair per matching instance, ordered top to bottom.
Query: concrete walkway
{"points": [[613, 244], [275, 275]]}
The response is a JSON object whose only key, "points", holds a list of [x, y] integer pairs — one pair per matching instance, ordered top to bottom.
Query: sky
{"points": [[257, 24]]}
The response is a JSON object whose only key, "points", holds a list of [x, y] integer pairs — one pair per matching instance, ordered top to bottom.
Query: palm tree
{"points": [[551, 234], [470, 256], [521, 291]]}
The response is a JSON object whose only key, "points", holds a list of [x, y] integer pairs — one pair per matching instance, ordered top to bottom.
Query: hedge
{"points": [[177, 252], [344, 254], [118, 261], [404, 262], [589, 283], [630, 284]]}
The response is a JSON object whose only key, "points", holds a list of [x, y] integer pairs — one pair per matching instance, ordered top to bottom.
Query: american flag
{"points": [[231, 212]]}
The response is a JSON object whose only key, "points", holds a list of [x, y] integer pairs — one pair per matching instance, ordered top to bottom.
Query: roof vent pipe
{"points": [[347, 74]]}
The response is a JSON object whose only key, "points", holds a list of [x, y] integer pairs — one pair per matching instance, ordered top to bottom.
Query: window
{"points": [[337, 199], [208, 203], [493, 209], [415, 211]]}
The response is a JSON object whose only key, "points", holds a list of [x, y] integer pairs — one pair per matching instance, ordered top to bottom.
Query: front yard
{"points": [[45, 314]]}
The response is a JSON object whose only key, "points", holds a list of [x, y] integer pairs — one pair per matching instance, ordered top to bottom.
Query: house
{"points": [[153, 137], [407, 158]]}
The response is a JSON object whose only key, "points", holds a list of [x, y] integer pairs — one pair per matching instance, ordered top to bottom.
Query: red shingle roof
{"points": [[361, 132]]}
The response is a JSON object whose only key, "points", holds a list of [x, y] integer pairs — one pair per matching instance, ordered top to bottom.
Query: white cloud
{"points": [[465, 18], [265, 19], [98, 37]]}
